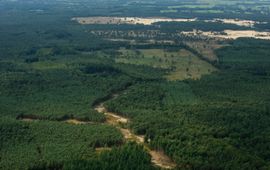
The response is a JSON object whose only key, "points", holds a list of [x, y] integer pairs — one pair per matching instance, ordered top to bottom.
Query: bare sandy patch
{"points": [[152, 20], [244, 23], [229, 34], [112, 118], [28, 120], [76, 122], [128, 135], [102, 149], [161, 159]]}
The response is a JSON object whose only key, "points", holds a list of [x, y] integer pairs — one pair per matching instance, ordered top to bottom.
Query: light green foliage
{"points": [[181, 64]]}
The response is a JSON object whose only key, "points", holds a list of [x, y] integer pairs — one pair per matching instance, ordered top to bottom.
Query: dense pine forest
{"points": [[133, 96]]}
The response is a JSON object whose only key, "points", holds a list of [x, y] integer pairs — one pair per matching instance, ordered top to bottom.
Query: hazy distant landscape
{"points": [[134, 85]]}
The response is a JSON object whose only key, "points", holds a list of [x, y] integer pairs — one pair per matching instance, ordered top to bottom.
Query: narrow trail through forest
{"points": [[73, 121], [158, 158]]}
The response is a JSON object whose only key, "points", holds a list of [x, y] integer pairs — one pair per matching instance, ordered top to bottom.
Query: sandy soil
{"points": [[150, 21], [245, 23], [230, 34], [114, 118], [28, 119], [76, 122], [128, 135], [101, 149], [162, 160]]}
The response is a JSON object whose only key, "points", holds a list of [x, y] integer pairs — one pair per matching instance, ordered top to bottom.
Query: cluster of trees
{"points": [[244, 58], [100, 69], [59, 93], [39, 94], [26, 144], [128, 156]]}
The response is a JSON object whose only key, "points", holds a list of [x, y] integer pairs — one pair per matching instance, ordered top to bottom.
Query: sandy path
{"points": [[69, 121], [76, 122], [158, 158]]}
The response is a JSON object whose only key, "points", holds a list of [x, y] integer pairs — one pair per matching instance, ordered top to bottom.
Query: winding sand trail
{"points": [[158, 158]]}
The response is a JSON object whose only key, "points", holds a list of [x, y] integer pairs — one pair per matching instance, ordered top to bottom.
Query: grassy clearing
{"points": [[168, 11], [207, 49], [180, 64], [44, 65]]}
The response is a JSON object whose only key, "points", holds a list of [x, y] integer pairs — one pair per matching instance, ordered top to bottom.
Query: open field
{"points": [[206, 48], [182, 64]]}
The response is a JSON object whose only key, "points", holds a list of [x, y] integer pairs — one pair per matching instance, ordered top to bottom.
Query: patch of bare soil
{"points": [[244, 23], [229, 34], [28, 119], [76, 122], [128, 135], [101, 149], [162, 160]]}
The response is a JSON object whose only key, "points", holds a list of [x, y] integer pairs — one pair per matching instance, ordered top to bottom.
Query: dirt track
{"points": [[158, 158]]}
